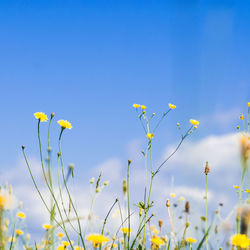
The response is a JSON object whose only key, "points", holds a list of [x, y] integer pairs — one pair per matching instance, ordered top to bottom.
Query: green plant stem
{"points": [[65, 184], [128, 203], [206, 212]]}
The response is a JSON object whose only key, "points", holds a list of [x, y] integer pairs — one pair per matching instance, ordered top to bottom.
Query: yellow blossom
{"points": [[248, 104], [136, 106], [172, 106], [143, 107], [41, 116], [241, 117], [194, 122], [65, 124], [178, 124], [150, 135], [235, 186], [247, 191], [172, 195], [182, 198], [5, 200], [21, 215], [47, 226], [125, 230], [155, 231], [19, 232], [60, 235], [97, 239], [191, 240], [240, 240], [157, 241], [66, 243], [114, 245], [61, 248], [78, 248]]}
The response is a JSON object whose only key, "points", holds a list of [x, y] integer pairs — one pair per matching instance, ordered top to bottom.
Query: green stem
{"points": [[129, 162], [206, 213]]}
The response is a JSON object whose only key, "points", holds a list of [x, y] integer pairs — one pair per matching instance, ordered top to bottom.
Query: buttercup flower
{"points": [[248, 104], [136, 106], [172, 106], [143, 107], [41, 116], [241, 117], [194, 122], [65, 124], [150, 135], [236, 187], [172, 195], [21, 215], [47, 226], [125, 230], [19, 232], [60, 235], [97, 239], [191, 240], [240, 240], [156, 241]]}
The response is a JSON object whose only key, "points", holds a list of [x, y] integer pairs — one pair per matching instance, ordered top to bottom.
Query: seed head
{"points": [[207, 169], [167, 203], [187, 207]]}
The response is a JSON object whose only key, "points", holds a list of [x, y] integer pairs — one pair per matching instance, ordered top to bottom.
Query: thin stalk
{"points": [[129, 162], [66, 186], [206, 212]]}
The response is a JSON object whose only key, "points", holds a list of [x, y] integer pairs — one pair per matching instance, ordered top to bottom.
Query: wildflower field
{"points": [[137, 223]]}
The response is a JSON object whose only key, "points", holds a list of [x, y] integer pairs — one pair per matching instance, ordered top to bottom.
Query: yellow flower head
{"points": [[248, 104], [136, 106], [172, 106], [143, 107], [41, 116], [241, 117], [194, 122], [64, 124], [150, 135], [236, 187], [247, 191], [172, 195], [182, 198], [5, 200], [21, 215], [47, 226], [125, 230], [19, 232], [60, 235], [97, 239], [191, 240], [240, 240], [157, 241], [66, 243], [61, 248], [78, 248]]}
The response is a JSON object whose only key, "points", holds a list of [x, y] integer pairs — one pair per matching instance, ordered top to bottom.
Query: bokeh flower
{"points": [[136, 105], [172, 106], [143, 107], [194, 122], [150, 135], [21, 215], [47, 226], [125, 230], [19, 232], [97, 239], [191, 240], [240, 240]]}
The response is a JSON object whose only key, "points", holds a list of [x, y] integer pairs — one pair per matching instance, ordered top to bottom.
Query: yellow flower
{"points": [[248, 104], [136, 106], [172, 106], [143, 107], [41, 116], [241, 117], [194, 122], [64, 124], [178, 124], [150, 135], [235, 186], [247, 191], [172, 195], [182, 198], [5, 200], [21, 215], [47, 226], [125, 230], [155, 231], [19, 232], [60, 235], [97, 239], [191, 240], [240, 240], [157, 241], [66, 243], [114, 245], [61, 248], [78, 248]]}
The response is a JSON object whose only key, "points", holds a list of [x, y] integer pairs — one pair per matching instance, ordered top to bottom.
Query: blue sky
{"points": [[89, 61]]}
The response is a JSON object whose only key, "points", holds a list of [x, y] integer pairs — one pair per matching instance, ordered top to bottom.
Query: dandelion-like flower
{"points": [[248, 104], [136, 105], [172, 106], [143, 107], [41, 116], [241, 117], [194, 122], [65, 124], [150, 135], [236, 187], [172, 195], [21, 215], [47, 226], [125, 230], [19, 232], [60, 235], [97, 239], [191, 240], [240, 240], [157, 241]]}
